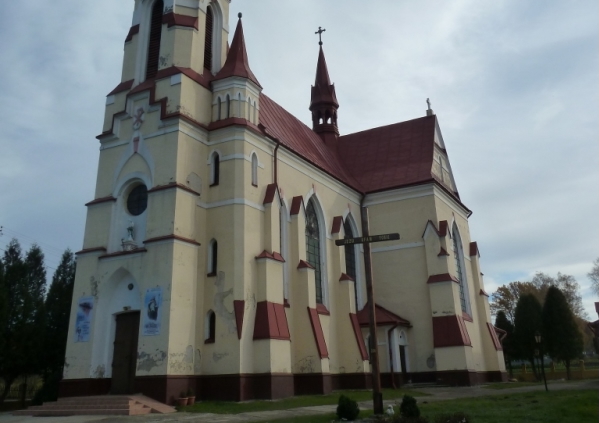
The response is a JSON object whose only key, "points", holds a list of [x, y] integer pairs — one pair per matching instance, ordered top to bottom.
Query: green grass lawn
{"points": [[511, 385], [224, 407], [532, 407]]}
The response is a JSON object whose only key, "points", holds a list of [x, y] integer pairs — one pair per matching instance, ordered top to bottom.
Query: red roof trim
{"points": [[174, 19], [132, 31], [123, 86], [234, 121], [171, 186], [269, 197], [100, 201], [296, 204], [337, 223], [173, 238], [474, 249], [91, 250], [442, 252], [123, 253], [264, 255], [271, 256], [278, 257], [304, 265], [346, 277], [443, 277], [483, 292], [239, 308], [321, 309], [383, 317], [467, 317], [271, 321], [450, 331], [318, 333], [358, 333], [493, 334]]}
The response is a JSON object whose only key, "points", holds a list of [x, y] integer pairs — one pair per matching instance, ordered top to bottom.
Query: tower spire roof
{"points": [[237, 63], [323, 91]]}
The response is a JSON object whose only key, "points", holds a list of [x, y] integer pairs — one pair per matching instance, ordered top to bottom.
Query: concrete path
{"points": [[436, 394]]}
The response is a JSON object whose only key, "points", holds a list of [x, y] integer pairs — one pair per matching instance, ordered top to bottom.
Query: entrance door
{"points": [[125, 353], [402, 358]]}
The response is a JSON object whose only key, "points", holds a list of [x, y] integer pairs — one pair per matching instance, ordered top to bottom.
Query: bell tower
{"points": [[324, 104]]}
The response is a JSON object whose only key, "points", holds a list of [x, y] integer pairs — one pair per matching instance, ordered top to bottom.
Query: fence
{"points": [[579, 369]]}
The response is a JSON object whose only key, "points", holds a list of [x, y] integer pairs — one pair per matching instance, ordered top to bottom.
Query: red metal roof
{"points": [[373, 160], [383, 317]]}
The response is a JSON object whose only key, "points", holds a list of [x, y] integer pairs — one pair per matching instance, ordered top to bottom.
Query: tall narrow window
{"points": [[208, 39], [154, 44], [219, 113], [228, 114], [254, 170], [215, 174], [284, 245], [313, 247], [458, 255], [212, 258], [350, 258], [210, 328]]}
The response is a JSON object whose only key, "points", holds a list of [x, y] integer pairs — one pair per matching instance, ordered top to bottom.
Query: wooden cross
{"points": [[319, 32]]}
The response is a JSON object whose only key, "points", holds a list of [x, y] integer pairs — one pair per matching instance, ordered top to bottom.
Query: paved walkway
{"points": [[436, 394]]}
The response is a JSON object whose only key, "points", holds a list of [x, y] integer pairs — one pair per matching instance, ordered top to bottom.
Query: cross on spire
{"points": [[319, 32]]}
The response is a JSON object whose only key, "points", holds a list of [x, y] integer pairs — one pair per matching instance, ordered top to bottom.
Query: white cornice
{"points": [[397, 247]]}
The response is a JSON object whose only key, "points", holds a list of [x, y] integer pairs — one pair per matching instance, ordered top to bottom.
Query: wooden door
{"points": [[402, 358], [124, 360]]}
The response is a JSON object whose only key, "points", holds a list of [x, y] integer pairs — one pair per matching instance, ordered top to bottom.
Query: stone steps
{"points": [[123, 405]]}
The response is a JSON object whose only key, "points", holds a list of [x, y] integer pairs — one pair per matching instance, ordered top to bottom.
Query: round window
{"points": [[137, 202]]}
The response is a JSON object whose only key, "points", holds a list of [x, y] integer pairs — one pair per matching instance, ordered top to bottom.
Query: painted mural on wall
{"points": [[152, 311], [84, 319]]}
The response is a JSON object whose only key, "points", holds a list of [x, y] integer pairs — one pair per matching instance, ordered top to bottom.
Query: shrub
{"points": [[408, 407], [347, 409], [458, 417]]}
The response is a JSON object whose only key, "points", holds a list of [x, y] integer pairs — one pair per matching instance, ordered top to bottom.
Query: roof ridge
{"points": [[388, 125]]}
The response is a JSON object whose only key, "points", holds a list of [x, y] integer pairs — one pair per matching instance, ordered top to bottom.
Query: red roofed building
{"points": [[209, 258]]}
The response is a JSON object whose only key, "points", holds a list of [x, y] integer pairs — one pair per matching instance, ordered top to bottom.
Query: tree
{"points": [[594, 276], [23, 284], [506, 297], [3, 309], [527, 321], [502, 322], [562, 338]]}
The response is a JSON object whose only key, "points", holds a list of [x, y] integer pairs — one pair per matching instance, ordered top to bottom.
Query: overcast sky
{"points": [[514, 84]]}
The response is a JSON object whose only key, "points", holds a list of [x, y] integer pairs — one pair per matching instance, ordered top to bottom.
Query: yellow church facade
{"points": [[209, 259]]}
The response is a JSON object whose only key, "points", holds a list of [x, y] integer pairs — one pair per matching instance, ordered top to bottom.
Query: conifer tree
{"points": [[24, 286], [3, 308], [58, 309], [527, 321], [502, 322], [562, 338]]}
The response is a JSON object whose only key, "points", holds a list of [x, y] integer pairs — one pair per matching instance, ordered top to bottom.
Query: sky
{"points": [[514, 85]]}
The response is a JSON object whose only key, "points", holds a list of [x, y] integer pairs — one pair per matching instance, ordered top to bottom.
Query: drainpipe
{"points": [[275, 159], [391, 356]]}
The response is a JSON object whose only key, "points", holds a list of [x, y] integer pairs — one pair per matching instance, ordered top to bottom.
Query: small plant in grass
{"points": [[408, 407], [347, 409], [458, 417]]}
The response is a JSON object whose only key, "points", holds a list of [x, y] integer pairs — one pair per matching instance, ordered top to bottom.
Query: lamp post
{"points": [[538, 340]]}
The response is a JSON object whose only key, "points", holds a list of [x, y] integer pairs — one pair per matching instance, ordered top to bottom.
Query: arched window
{"points": [[208, 39], [154, 43], [238, 108], [219, 110], [228, 114], [254, 170], [215, 173], [313, 247], [458, 255], [212, 258], [350, 258], [210, 328]]}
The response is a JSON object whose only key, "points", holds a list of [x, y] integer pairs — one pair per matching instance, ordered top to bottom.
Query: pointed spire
{"points": [[237, 59], [323, 103]]}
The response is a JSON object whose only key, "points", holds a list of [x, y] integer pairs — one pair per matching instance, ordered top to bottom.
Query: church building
{"points": [[209, 259]]}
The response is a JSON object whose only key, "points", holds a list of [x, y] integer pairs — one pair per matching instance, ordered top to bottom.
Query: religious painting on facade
{"points": [[152, 311], [84, 319]]}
